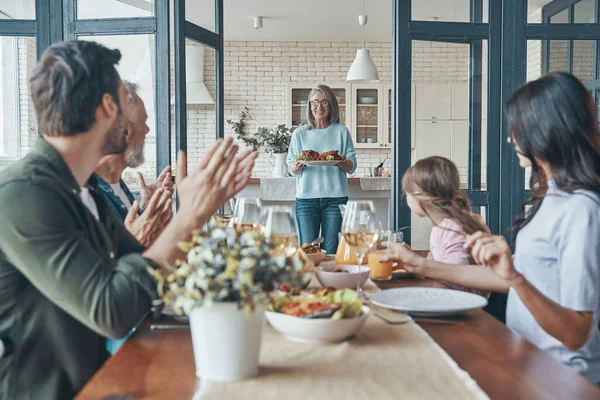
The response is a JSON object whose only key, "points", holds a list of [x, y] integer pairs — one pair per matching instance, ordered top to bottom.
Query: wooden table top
{"points": [[160, 365]]}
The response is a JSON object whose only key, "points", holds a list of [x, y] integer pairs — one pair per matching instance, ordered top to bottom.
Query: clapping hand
{"points": [[219, 176], [164, 181], [147, 226]]}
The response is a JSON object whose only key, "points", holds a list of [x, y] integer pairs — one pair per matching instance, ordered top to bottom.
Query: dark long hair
{"points": [[553, 119], [435, 184]]}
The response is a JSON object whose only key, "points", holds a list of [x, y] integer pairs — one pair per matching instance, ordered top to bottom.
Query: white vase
{"points": [[280, 169], [226, 342]]}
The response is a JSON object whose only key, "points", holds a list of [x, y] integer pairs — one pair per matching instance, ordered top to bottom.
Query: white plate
{"points": [[323, 163], [428, 301], [318, 330]]}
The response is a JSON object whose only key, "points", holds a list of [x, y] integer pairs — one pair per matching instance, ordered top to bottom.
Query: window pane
{"points": [[17, 9], [91, 9], [449, 10], [584, 11], [202, 13], [560, 18], [558, 55], [583, 59], [137, 65], [598, 102], [201, 110], [441, 113], [18, 126]]}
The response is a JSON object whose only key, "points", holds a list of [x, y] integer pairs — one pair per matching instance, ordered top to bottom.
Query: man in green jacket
{"points": [[70, 274]]}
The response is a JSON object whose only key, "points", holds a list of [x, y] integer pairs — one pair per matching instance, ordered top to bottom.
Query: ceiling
{"points": [[306, 20], [322, 20]]}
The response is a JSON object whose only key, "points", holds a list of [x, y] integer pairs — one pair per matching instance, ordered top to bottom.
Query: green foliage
{"points": [[274, 141]]}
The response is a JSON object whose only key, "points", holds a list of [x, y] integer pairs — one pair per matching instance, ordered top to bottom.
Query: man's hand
{"points": [[220, 175], [164, 181], [147, 226]]}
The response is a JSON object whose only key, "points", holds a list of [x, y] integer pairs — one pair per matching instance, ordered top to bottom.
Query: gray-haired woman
{"points": [[320, 190]]}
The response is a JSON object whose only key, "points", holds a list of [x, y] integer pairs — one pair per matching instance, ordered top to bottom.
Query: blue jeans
{"points": [[322, 215]]}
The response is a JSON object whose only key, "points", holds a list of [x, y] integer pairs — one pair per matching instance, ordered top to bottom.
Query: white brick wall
{"points": [[256, 74], [27, 126]]}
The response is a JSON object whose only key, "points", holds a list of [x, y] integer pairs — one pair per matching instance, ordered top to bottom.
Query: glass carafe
{"points": [[345, 255]]}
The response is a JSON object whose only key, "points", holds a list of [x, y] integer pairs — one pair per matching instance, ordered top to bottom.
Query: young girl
{"points": [[432, 188], [553, 277]]}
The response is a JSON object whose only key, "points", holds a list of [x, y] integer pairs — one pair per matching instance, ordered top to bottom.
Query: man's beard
{"points": [[115, 142], [135, 157]]}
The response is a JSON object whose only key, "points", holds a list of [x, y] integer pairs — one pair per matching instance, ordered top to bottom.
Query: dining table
{"points": [[159, 364]]}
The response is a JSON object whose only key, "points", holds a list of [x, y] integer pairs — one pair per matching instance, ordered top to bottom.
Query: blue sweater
{"points": [[320, 182]]}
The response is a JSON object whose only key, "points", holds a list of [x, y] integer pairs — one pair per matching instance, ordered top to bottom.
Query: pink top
{"points": [[446, 245]]}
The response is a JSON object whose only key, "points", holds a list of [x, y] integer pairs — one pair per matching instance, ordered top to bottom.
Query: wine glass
{"points": [[248, 215], [225, 219], [360, 228], [281, 229]]}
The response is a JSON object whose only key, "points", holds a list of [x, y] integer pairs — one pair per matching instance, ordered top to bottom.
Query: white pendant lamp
{"points": [[363, 68]]}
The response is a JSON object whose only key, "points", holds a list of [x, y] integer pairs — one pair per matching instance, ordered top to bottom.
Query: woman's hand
{"points": [[346, 165], [297, 167], [494, 252]]}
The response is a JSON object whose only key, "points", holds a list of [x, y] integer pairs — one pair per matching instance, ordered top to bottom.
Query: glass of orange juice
{"points": [[382, 271]]}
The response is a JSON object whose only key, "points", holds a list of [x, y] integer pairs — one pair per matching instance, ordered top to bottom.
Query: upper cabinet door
{"points": [[434, 101], [298, 106], [368, 106]]}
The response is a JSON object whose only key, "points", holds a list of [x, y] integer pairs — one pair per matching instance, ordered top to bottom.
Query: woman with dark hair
{"points": [[321, 189], [553, 278]]}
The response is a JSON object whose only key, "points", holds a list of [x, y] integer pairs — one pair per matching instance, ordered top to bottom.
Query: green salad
{"points": [[337, 304]]}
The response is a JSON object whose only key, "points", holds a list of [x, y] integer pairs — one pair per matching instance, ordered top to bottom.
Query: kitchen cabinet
{"points": [[297, 102], [365, 108]]}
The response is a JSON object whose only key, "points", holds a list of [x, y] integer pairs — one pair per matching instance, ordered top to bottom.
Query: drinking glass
{"points": [[248, 215], [225, 219], [360, 228], [281, 229], [382, 271]]}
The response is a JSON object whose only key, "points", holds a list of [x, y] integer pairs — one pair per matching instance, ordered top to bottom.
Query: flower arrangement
{"points": [[275, 141], [224, 265]]}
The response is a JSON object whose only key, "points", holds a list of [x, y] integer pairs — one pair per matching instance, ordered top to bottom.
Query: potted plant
{"points": [[275, 141], [223, 286]]}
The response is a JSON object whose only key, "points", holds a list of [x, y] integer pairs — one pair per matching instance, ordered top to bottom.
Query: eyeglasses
{"points": [[315, 103]]}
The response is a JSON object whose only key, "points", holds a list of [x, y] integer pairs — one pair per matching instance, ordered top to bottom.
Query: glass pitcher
{"points": [[345, 255]]}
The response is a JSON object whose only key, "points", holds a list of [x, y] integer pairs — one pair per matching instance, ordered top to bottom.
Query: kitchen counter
{"points": [[350, 180], [282, 191]]}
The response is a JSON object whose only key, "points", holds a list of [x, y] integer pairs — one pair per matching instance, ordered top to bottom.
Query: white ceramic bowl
{"points": [[316, 258], [342, 280], [316, 330]]}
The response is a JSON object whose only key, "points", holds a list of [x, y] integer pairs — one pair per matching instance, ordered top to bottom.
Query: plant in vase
{"points": [[275, 141], [223, 286]]}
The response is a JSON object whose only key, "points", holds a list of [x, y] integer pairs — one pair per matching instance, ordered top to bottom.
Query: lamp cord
{"points": [[362, 26]]}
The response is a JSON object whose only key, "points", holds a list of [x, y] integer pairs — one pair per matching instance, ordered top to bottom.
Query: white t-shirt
{"points": [[116, 187], [89, 202], [558, 253]]}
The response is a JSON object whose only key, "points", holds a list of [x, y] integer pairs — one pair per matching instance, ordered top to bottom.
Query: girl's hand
{"points": [[494, 252], [403, 254]]}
